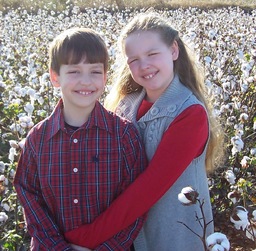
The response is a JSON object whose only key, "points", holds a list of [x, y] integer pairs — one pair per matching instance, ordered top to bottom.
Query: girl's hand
{"points": [[79, 248]]}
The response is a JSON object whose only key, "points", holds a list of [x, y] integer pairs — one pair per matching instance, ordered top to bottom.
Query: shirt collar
{"points": [[99, 117]]}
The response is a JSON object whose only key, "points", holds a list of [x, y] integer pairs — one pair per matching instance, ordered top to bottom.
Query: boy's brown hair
{"points": [[76, 44]]}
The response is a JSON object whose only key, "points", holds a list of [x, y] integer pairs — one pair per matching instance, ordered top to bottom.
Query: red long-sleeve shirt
{"points": [[182, 142]]}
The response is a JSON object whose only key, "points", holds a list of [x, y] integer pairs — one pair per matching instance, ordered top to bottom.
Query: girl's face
{"points": [[150, 61]]}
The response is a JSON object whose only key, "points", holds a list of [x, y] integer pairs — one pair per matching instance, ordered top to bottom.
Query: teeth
{"points": [[149, 76], [84, 93]]}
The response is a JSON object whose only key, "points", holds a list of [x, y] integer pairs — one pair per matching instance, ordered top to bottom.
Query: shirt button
{"points": [[171, 108], [154, 111], [142, 125], [75, 141], [75, 170], [75, 201]]}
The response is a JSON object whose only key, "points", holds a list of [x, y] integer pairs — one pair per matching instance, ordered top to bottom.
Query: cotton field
{"points": [[224, 42]]}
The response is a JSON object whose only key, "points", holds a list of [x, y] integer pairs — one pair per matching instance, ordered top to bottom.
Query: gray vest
{"points": [[162, 232]]}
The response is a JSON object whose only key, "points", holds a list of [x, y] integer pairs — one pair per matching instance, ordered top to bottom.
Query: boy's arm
{"points": [[40, 224]]}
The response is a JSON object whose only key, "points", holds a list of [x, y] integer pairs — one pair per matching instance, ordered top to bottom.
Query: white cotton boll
{"points": [[212, 34], [253, 52], [240, 54], [208, 59], [245, 68], [250, 79], [2, 84], [226, 86], [244, 87], [17, 89], [22, 92], [31, 92], [40, 100], [16, 101], [237, 105], [29, 108], [26, 122], [30, 124], [254, 125], [14, 127], [238, 127], [240, 133], [13, 143], [237, 143], [253, 151], [12, 153], [244, 161], [2, 167], [12, 173], [230, 177], [2, 178], [188, 196], [234, 196], [183, 199], [6, 207], [254, 214], [3, 217], [240, 218], [251, 231], [217, 241], [217, 247]]}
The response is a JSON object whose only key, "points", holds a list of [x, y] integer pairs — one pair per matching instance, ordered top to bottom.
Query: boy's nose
{"points": [[86, 79]]}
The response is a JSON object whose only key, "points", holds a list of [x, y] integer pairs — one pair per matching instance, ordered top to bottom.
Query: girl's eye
{"points": [[152, 54], [132, 61]]}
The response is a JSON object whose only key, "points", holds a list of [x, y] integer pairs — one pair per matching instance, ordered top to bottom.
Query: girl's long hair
{"points": [[184, 67]]}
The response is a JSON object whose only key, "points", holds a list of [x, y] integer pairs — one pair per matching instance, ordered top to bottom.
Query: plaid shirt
{"points": [[65, 179]]}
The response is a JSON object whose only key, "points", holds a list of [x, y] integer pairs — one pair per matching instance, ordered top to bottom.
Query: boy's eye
{"points": [[152, 53], [73, 72], [97, 72]]}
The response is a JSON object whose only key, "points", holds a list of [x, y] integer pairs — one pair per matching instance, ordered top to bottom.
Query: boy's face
{"points": [[81, 84]]}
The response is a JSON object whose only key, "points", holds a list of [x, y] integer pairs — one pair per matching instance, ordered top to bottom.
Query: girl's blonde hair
{"points": [[183, 67]]}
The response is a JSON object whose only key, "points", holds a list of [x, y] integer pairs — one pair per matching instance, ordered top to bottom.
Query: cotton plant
{"points": [[223, 41], [241, 221], [216, 241]]}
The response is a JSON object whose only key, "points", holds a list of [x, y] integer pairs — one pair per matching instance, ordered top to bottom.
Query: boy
{"points": [[79, 159]]}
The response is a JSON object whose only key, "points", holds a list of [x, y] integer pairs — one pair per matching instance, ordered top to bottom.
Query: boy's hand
{"points": [[79, 248]]}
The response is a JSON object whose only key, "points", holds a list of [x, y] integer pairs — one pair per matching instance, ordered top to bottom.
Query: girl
{"points": [[158, 89]]}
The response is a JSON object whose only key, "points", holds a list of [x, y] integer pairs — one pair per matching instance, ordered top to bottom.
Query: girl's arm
{"points": [[181, 143]]}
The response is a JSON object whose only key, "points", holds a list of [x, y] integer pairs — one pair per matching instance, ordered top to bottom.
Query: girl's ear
{"points": [[175, 50], [54, 78]]}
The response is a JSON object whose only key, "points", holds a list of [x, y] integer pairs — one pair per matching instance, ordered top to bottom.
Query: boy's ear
{"points": [[175, 50], [105, 77], [54, 78]]}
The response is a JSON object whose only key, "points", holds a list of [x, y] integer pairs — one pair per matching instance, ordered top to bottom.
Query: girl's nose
{"points": [[144, 64]]}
